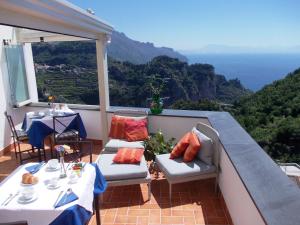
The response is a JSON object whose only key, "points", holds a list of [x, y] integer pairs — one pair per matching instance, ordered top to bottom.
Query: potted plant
{"points": [[156, 105], [156, 145]]}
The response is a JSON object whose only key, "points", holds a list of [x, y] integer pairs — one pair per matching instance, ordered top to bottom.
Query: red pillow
{"points": [[117, 127], [136, 130], [180, 147], [193, 148], [129, 155]]}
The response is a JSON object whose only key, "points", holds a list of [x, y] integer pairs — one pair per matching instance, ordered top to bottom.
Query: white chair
{"points": [[177, 171], [124, 174]]}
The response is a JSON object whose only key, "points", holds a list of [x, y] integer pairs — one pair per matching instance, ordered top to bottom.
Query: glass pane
{"points": [[16, 73]]}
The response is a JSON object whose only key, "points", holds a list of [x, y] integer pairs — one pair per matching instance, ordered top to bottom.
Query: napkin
{"points": [[34, 168], [66, 198]]}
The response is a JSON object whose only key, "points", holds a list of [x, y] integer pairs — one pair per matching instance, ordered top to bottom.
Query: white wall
{"points": [[239, 204]]}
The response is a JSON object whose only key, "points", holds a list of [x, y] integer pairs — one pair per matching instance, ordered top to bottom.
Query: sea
{"points": [[253, 70]]}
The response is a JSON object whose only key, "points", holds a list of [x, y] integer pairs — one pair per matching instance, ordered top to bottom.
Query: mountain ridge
{"points": [[123, 48]]}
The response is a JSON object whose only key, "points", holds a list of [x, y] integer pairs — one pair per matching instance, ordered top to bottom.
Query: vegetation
{"points": [[68, 70], [272, 117], [156, 145]]}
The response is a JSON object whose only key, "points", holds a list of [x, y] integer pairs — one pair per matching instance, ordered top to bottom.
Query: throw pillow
{"points": [[117, 127], [136, 130], [180, 147], [193, 148], [206, 152], [129, 155]]}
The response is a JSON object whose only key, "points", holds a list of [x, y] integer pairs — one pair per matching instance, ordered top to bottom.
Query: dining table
{"points": [[39, 124], [48, 205]]}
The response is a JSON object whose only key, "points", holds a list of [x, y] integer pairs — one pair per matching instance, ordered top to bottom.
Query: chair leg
{"points": [[51, 147], [15, 148], [20, 153], [39, 154], [45, 158], [149, 191], [170, 191], [97, 209]]}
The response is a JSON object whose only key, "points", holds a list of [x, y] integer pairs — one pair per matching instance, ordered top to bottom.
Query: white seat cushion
{"points": [[114, 144], [177, 169], [113, 171]]}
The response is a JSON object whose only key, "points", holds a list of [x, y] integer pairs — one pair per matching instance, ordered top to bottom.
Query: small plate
{"points": [[51, 169], [51, 187], [26, 201]]}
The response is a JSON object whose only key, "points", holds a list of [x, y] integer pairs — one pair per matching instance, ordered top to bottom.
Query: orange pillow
{"points": [[117, 127], [136, 130], [180, 147], [192, 149], [129, 155]]}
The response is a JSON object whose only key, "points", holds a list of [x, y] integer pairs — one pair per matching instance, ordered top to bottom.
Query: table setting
{"points": [[39, 124], [38, 194]]}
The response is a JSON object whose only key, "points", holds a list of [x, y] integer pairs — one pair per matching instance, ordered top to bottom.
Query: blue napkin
{"points": [[34, 168], [66, 198]]}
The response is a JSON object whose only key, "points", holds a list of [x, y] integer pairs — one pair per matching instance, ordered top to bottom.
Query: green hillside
{"points": [[129, 84], [272, 117]]}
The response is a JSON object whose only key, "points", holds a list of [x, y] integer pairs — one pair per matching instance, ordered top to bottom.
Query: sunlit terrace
{"points": [[251, 187]]}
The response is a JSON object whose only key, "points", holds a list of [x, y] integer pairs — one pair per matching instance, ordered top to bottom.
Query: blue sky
{"points": [[193, 24]]}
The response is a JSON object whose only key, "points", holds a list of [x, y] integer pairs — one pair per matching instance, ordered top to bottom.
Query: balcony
{"points": [[252, 188]]}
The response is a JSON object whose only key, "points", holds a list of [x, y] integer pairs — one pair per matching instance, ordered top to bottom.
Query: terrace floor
{"points": [[192, 203]]}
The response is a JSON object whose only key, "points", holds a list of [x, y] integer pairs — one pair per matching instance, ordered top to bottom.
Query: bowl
{"points": [[53, 163], [27, 193]]}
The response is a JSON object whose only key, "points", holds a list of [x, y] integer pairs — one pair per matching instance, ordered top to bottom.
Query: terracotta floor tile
{"points": [[122, 211], [138, 212], [166, 212], [182, 212], [109, 219], [126, 219], [154, 219], [143, 220], [172, 220], [189, 220]]}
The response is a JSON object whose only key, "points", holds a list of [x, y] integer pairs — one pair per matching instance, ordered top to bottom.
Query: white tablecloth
{"points": [[48, 119], [42, 211]]}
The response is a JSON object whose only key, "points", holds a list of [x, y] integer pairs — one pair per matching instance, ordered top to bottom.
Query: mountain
{"points": [[123, 48], [129, 83], [272, 117]]}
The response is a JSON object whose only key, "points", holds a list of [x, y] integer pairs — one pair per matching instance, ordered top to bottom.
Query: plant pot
{"points": [[156, 106]]}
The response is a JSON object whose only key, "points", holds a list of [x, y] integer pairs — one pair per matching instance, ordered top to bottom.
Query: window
{"points": [[67, 70], [17, 75]]}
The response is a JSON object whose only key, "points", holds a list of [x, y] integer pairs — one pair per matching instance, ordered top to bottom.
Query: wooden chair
{"points": [[69, 135], [19, 137]]}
